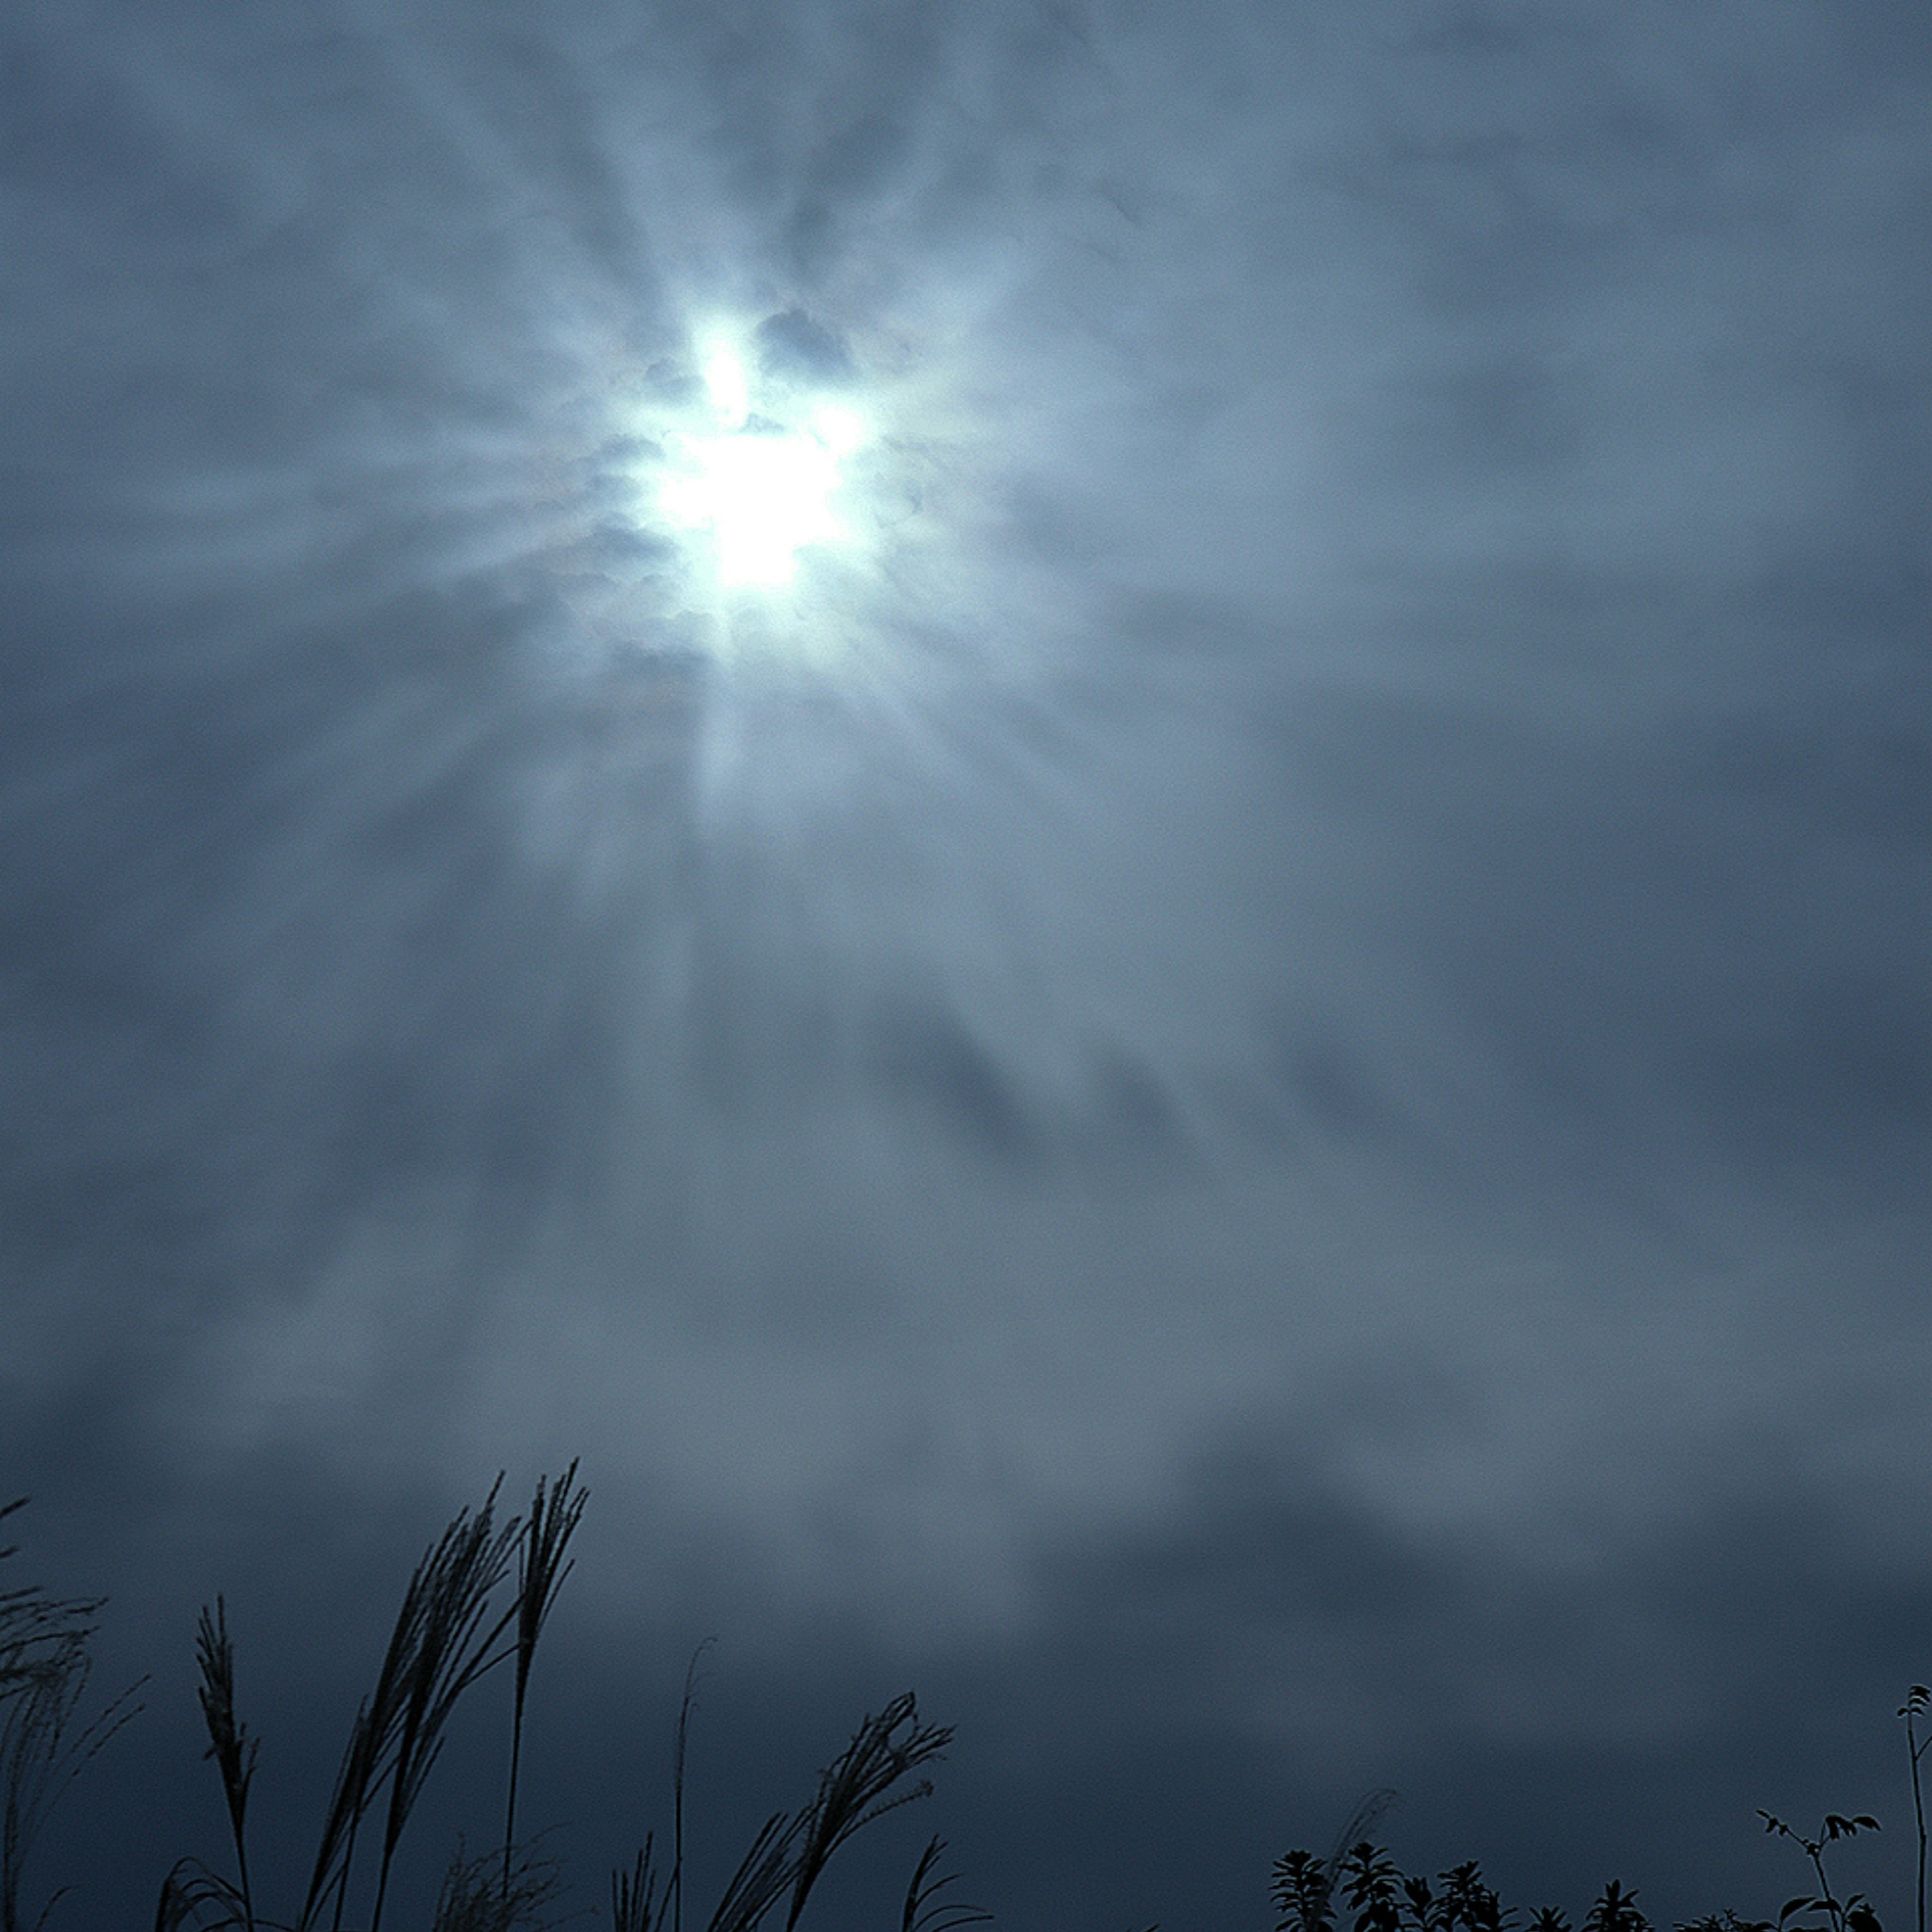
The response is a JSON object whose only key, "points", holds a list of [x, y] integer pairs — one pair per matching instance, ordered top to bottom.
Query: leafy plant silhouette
{"points": [[1911, 1710], [1302, 1888], [1383, 1899], [1852, 1915]]}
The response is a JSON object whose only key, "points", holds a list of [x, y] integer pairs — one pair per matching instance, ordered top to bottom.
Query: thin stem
{"points": [[1916, 1701], [510, 1813], [1814, 1851], [675, 1890]]}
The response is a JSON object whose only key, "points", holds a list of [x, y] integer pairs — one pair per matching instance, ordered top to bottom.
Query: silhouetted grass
{"points": [[541, 1570], [454, 1627], [44, 1744]]}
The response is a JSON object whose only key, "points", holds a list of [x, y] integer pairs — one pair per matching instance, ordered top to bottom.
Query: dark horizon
{"points": [[1108, 828], [1019, 1787]]}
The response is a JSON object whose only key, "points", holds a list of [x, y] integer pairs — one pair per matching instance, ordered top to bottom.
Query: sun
{"points": [[763, 483]]}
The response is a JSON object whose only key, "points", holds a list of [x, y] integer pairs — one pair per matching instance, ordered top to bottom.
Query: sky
{"points": [[1108, 826]]}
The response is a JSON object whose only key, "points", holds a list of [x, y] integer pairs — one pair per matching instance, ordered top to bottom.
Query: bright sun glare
{"points": [[764, 488]]}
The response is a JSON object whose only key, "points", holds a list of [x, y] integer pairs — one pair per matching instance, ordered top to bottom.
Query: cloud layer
{"points": [[1278, 1052]]}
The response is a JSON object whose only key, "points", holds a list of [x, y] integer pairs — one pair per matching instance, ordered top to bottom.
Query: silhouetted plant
{"points": [[541, 1572], [447, 1635], [442, 1642], [450, 1650], [44, 1667], [1913, 1709], [229, 1744], [853, 1790], [788, 1854], [1374, 1888], [1303, 1889], [674, 1891], [631, 1893], [1301, 1893], [480, 1895], [1382, 1899], [1421, 1902], [1468, 1904], [924, 1910], [1615, 1911], [1853, 1913]]}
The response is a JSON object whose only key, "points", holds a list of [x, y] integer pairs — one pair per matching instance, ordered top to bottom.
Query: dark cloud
{"points": [[796, 345], [930, 1056]]}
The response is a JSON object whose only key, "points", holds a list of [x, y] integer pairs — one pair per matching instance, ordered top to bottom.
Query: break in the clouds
{"points": [[1247, 1029]]}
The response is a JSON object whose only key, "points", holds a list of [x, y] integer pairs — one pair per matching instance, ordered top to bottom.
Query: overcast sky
{"points": [[1245, 1087]]}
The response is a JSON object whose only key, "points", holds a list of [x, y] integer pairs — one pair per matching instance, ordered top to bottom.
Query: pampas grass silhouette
{"points": [[540, 1570], [454, 1629], [450, 1632], [44, 1744]]}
